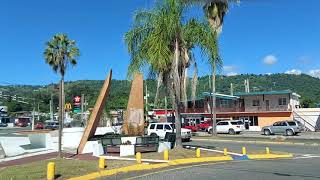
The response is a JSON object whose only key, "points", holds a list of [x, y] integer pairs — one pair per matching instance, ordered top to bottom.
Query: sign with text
{"points": [[77, 104]]}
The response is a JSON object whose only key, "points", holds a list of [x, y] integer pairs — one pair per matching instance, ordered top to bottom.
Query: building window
{"points": [[282, 101], [255, 103], [253, 120]]}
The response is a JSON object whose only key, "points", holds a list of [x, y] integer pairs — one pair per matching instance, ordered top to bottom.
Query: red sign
{"points": [[77, 101]]}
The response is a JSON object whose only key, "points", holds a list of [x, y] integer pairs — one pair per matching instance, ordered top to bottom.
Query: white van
{"points": [[160, 129]]}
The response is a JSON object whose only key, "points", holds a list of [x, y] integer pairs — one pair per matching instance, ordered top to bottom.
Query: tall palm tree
{"points": [[215, 11], [163, 40], [61, 52]]}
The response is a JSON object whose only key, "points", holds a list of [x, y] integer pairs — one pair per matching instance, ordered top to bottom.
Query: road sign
{"points": [[76, 104], [68, 106]]}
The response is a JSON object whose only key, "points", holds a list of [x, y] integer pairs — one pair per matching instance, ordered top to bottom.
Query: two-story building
{"points": [[255, 109]]}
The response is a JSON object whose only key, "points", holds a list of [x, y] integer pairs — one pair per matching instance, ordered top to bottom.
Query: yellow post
{"points": [[267, 150], [225, 151], [244, 151], [198, 153], [166, 155], [138, 157], [102, 163], [50, 171]]}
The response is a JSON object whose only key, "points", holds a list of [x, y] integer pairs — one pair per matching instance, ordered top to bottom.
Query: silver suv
{"points": [[288, 128]]}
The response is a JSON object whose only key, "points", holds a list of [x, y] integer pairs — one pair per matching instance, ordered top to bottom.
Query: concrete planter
{"points": [[71, 137], [133, 140], [127, 150]]}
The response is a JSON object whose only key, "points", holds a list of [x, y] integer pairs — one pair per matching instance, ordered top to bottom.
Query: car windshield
{"points": [[291, 123]]}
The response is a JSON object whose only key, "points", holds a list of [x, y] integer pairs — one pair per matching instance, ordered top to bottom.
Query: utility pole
{"points": [[231, 89], [146, 100], [82, 104], [51, 108], [165, 108], [38, 112], [32, 124]]}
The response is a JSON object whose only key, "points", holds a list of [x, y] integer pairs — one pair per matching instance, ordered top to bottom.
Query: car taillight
{"points": [[238, 126]]}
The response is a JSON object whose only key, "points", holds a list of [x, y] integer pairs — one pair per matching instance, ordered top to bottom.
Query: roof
{"points": [[263, 93], [221, 96]]}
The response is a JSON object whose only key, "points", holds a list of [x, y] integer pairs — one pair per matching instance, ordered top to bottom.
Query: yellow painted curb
{"points": [[269, 156], [199, 160], [140, 167]]}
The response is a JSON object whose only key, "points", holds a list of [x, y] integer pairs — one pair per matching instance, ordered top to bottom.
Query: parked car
{"points": [[3, 124], [22, 124], [39, 125], [52, 125], [204, 126], [231, 127], [192, 128], [288, 128], [160, 129]]}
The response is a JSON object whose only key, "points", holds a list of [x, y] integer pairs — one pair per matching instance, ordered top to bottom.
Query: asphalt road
{"points": [[5, 132], [305, 165]]}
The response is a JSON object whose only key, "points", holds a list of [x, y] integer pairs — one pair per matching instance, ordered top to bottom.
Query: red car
{"points": [[39, 125], [204, 126], [192, 128]]}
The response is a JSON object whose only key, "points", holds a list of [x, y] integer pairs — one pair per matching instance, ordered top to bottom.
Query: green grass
{"points": [[65, 168]]}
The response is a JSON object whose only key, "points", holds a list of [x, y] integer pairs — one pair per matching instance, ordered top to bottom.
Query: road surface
{"points": [[305, 165]]}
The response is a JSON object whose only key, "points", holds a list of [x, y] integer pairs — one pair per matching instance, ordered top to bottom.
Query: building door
{"points": [[267, 105]]}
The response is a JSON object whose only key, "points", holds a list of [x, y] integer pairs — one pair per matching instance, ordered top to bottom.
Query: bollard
{"points": [[267, 150], [225, 151], [244, 151], [198, 153], [166, 155], [138, 157], [102, 163], [50, 171]]}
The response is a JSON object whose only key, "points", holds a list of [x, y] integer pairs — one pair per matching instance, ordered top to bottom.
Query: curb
{"points": [[258, 142], [269, 156], [141, 167]]}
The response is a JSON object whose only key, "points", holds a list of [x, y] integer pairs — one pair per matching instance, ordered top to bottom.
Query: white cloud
{"points": [[270, 59], [229, 68], [294, 71], [315, 73], [232, 74], [268, 74]]}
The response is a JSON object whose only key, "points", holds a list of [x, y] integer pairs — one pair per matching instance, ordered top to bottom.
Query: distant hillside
{"points": [[308, 87]]}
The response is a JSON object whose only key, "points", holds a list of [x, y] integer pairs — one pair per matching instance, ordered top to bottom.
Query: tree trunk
{"points": [[159, 83], [176, 93], [213, 108], [61, 115]]}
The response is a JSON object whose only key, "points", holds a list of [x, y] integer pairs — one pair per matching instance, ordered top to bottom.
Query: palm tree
{"points": [[215, 11], [161, 40], [61, 52]]}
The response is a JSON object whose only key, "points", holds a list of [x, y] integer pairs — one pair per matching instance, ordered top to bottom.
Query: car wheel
{"points": [[210, 131], [231, 131], [266, 132], [289, 132], [153, 135]]}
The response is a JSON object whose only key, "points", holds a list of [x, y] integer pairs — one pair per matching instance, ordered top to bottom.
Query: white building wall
{"points": [[273, 103]]}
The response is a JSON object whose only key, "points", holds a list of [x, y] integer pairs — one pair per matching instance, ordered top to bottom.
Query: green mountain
{"points": [[308, 87]]}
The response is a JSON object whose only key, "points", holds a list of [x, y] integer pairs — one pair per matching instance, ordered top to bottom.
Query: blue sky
{"points": [[259, 36]]}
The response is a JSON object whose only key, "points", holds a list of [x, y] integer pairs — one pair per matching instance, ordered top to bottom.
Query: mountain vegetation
{"points": [[304, 85]]}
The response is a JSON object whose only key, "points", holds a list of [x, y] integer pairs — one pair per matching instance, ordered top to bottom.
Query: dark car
{"points": [[3, 124], [52, 125]]}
